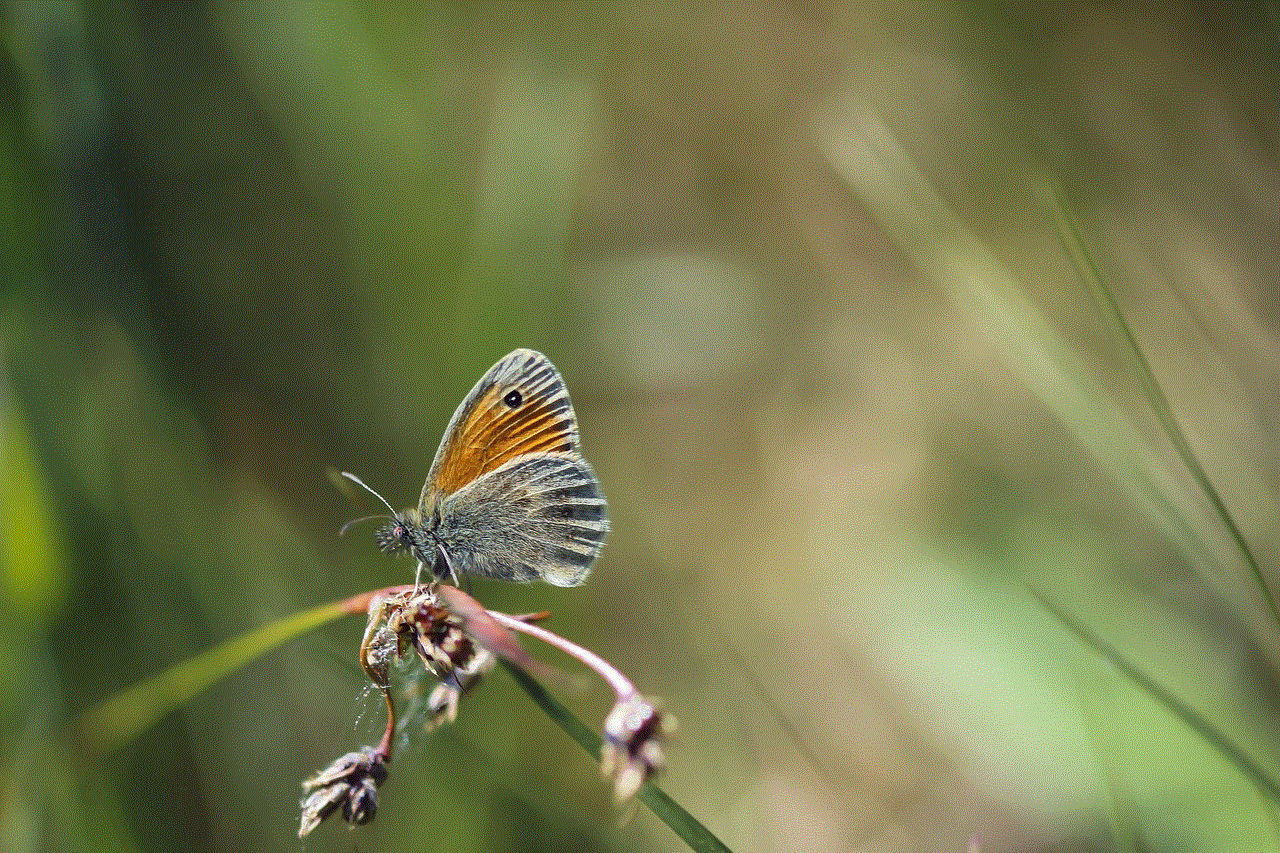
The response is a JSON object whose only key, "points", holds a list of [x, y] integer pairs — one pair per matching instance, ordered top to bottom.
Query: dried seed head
{"points": [[433, 632], [458, 640], [377, 655], [442, 703], [632, 749], [350, 782], [361, 805]]}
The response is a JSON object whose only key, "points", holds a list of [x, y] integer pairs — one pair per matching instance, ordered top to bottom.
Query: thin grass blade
{"points": [[1226, 747], [667, 810]]}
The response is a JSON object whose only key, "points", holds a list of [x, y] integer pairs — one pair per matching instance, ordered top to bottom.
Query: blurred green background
{"points": [[844, 386]]}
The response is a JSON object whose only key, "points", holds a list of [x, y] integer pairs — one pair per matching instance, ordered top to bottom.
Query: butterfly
{"points": [[509, 495]]}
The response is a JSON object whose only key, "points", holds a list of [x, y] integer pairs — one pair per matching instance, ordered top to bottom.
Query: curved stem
{"points": [[621, 685], [383, 750]]}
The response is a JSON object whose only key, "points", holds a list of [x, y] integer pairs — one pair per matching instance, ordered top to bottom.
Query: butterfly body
{"points": [[509, 496]]}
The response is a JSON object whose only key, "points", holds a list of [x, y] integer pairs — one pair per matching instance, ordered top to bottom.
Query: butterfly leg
{"points": [[444, 555]]}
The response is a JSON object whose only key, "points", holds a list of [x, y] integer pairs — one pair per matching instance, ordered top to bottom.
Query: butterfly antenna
{"points": [[362, 484], [353, 522]]}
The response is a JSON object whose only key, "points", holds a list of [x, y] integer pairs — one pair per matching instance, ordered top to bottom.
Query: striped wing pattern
{"points": [[509, 496], [541, 516]]}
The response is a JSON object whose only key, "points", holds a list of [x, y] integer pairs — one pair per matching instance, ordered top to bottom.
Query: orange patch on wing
{"points": [[493, 434]]}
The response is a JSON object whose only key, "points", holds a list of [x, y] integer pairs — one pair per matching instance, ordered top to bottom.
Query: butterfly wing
{"points": [[520, 406], [509, 496], [538, 516]]}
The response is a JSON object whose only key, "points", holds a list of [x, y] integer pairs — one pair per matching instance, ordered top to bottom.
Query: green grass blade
{"points": [[983, 290], [1104, 297], [121, 718], [1226, 747], [683, 824]]}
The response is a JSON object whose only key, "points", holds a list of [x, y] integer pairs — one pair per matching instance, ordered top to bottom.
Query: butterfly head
{"points": [[403, 530], [401, 533], [392, 537]]}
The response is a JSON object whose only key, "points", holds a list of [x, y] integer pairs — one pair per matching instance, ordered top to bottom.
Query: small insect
{"points": [[508, 496]]}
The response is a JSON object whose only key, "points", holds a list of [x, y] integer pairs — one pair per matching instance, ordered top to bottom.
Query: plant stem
{"points": [[621, 685], [115, 721]]}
